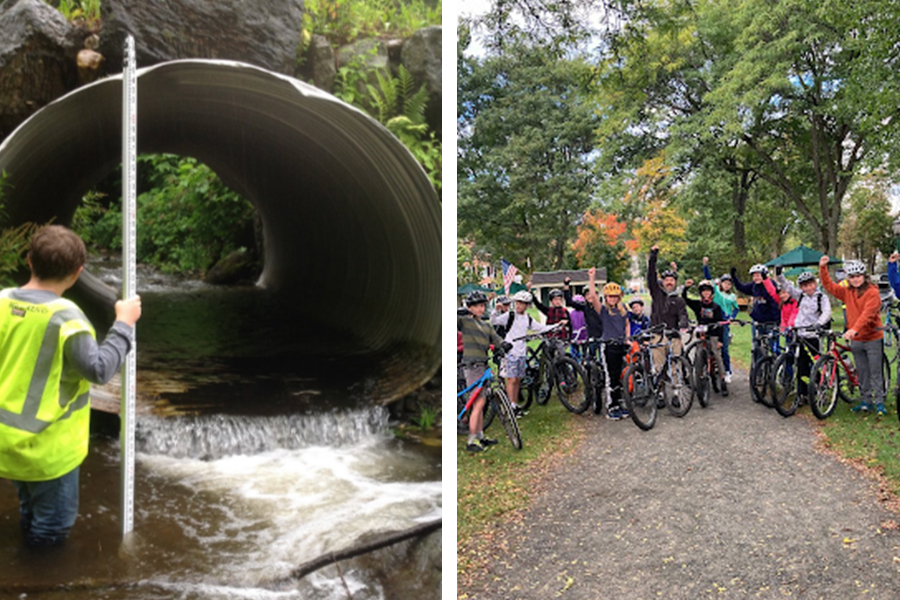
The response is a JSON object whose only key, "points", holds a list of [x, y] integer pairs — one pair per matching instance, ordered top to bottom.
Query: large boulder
{"points": [[265, 33], [421, 55], [37, 59], [318, 65]]}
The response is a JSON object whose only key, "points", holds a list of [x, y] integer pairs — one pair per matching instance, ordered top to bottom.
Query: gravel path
{"points": [[730, 502]]}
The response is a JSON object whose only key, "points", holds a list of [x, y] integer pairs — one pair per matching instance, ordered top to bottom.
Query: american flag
{"points": [[509, 271]]}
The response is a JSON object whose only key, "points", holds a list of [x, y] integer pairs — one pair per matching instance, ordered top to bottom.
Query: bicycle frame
{"points": [[480, 383]]}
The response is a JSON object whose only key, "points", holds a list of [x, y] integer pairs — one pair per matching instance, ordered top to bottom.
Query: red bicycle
{"points": [[834, 375]]}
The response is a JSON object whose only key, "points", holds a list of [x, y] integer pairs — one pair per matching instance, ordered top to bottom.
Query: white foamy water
{"points": [[254, 497]]}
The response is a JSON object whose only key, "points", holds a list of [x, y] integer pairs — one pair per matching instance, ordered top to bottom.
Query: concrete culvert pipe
{"points": [[350, 218]]}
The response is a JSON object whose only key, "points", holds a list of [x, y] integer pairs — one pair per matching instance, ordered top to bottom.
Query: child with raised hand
{"points": [[863, 305], [813, 308], [708, 312], [766, 312]]}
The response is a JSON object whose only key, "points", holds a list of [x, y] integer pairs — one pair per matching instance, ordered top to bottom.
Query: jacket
{"points": [[766, 307], [667, 308], [863, 312]]}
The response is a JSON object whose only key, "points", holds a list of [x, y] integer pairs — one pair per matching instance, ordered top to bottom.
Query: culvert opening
{"points": [[351, 224]]}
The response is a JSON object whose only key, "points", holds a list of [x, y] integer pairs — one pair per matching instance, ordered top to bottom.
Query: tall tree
{"points": [[525, 142]]}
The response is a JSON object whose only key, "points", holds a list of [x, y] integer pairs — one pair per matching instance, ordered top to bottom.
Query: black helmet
{"points": [[669, 273], [556, 293], [475, 297], [504, 300]]}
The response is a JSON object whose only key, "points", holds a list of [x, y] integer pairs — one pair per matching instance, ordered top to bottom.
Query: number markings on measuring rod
{"points": [[129, 279]]}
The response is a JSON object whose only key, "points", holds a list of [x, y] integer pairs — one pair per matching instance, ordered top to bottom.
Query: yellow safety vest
{"points": [[44, 419]]}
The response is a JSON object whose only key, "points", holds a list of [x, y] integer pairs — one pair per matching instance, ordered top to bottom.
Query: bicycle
{"points": [[891, 309], [765, 350], [590, 355], [705, 369], [559, 371], [834, 375], [785, 382], [645, 392], [495, 397]]}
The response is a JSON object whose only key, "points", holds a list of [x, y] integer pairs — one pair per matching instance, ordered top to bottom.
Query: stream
{"points": [[257, 450]]}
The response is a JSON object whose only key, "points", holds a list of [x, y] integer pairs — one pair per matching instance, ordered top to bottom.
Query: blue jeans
{"points": [[726, 355], [47, 509]]}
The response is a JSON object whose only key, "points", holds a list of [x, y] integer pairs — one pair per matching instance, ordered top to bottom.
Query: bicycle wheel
{"points": [[892, 344], [690, 351], [701, 377], [760, 381], [544, 382], [571, 384], [824, 384], [784, 385], [678, 386], [637, 391], [490, 411], [505, 413]]}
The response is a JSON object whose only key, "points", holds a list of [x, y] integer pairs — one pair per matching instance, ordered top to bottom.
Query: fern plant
{"points": [[400, 107], [13, 242]]}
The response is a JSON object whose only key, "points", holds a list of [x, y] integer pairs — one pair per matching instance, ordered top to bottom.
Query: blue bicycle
{"points": [[496, 401]]}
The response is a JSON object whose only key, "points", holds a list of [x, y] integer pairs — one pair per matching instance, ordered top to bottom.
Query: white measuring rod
{"points": [[129, 279]]}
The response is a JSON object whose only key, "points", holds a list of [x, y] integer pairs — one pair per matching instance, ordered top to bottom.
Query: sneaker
{"points": [[727, 377], [724, 389], [861, 407], [880, 409], [518, 412], [617, 413], [485, 442], [474, 448]]}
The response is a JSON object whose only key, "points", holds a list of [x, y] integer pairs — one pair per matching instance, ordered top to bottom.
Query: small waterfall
{"points": [[210, 437]]}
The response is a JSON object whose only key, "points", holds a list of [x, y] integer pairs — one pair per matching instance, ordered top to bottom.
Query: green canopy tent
{"points": [[799, 257], [471, 287]]}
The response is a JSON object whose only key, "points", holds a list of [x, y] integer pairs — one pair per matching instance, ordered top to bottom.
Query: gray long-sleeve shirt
{"points": [[83, 357]]}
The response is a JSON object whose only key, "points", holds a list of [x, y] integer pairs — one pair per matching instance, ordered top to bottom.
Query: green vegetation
{"points": [[89, 10], [344, 21], [188, 218], [13, 242], [427, 417], [491, 485]]}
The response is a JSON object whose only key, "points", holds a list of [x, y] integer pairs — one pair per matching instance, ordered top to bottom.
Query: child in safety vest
{"points": [[47, 344]]}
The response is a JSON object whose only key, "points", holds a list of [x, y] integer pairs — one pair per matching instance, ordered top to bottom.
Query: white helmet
{"points": [[854, 267], [759, 268], [804, 277], [523, 296]]}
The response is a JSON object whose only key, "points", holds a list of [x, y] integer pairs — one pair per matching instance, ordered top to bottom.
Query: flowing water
{"points": [[268, 456]]}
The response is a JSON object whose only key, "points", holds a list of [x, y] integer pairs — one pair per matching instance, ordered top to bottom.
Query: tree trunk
{"points": [[740, 191]]}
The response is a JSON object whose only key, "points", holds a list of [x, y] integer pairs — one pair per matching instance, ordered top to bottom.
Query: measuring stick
{"points": [[129, 280]]}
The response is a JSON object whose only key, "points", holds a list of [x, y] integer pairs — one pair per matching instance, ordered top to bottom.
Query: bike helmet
{"points": [[854, 267], [759, 268], [669, 273], [725, 277], [804, 277], [706, 284], [612, 289], [555, 293], [523, 296], [475, 297], [578, 298], [504, 300], [636, 300]]}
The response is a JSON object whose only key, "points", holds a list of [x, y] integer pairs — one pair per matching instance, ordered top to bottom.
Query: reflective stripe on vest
{"points": [[43, 418]]}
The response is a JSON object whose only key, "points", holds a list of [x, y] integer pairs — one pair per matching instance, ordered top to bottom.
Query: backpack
{"points": [[827, 324], [503, 329]]}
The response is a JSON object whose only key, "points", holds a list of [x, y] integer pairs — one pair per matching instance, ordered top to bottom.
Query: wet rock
{"points": [[265, 33], [421, 56], [37, 59], [319, 64], [90, 66], [238, 266]]}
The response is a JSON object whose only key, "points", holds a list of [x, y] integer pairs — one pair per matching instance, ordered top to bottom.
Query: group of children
{"points": [[604, 317]]}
